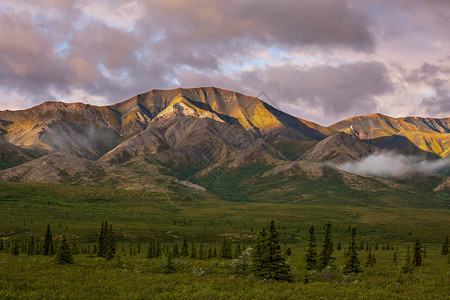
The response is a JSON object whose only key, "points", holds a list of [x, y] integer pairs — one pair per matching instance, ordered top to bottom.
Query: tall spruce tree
{"points": [[101, 241], [48, 242], [106, 242], [31, 246], [158, 247], [15, 248], [151, 248], [184, 248], [110, 249], [225, 249], [444, 249], [193, 251], [200, 252], [210, 252], [311, 254], [64, 255], [325, 258], [417, 258], [270, 262], [352, 264], [258, 267]]}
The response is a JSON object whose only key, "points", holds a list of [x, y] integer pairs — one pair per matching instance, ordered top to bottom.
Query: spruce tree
{"points": [[101, 241], [48, 242], [106, 242], [31, 246], [15, 248], [158, 248], [110, 249], [151, 249], [184, 249], [225, 249], [444, 249], [237, 250], [175, 251], [193, 251], [288, 251], [200, 252], [210, 252], [311, 254], [63, 255], [407, 256], [325, 257], [394, 258], [417, 259], [370, 260], [270, 263], [352, 265], [169, 266], [407, 266], [258, 267], [278, 268]]}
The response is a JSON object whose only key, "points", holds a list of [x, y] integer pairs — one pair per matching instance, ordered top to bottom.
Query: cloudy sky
{"points": [[321, 60]]}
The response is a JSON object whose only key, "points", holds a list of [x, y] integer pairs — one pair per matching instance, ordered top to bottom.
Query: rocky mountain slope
{"points": [[410, 135], [224, 141], [339, 148]]}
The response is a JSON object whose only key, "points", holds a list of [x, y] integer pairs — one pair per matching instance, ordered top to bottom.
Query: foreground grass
{"points": [[76, 212], [135, 277]]}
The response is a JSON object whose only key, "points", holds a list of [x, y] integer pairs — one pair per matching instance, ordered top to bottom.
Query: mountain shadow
{"points": [[401, 144]]}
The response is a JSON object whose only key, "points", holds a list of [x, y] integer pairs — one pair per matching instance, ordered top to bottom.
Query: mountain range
{"points": [[236, 146]]}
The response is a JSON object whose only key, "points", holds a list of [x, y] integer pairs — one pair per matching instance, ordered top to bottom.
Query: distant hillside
{"points": [[410, 135]]}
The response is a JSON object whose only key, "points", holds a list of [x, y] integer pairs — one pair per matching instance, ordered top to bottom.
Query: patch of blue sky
{"points": [[89, 18], [63, 49], [271, 55], [122, 76], [430, 93]]}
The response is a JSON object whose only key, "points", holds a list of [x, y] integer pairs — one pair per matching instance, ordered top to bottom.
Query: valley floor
{"points": [[76, 212], [136, 277]]}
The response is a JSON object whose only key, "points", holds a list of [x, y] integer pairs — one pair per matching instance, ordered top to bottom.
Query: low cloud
{"points": [[393, 165]]}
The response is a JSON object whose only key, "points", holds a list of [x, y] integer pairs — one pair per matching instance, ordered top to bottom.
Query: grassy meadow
{"points": [[76, 212]]}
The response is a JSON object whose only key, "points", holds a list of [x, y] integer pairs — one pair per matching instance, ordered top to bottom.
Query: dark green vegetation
{"points": [[145, 220], [64, 254], [268, 261]]}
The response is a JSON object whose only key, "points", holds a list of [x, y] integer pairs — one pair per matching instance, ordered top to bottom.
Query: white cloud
{"points": [[393, 165]]}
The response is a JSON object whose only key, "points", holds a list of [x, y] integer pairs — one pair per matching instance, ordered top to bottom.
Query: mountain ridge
{"points": [[207, 137]]}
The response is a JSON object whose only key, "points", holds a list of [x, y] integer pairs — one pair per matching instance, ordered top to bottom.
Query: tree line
{"points": [[265, 260]]}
